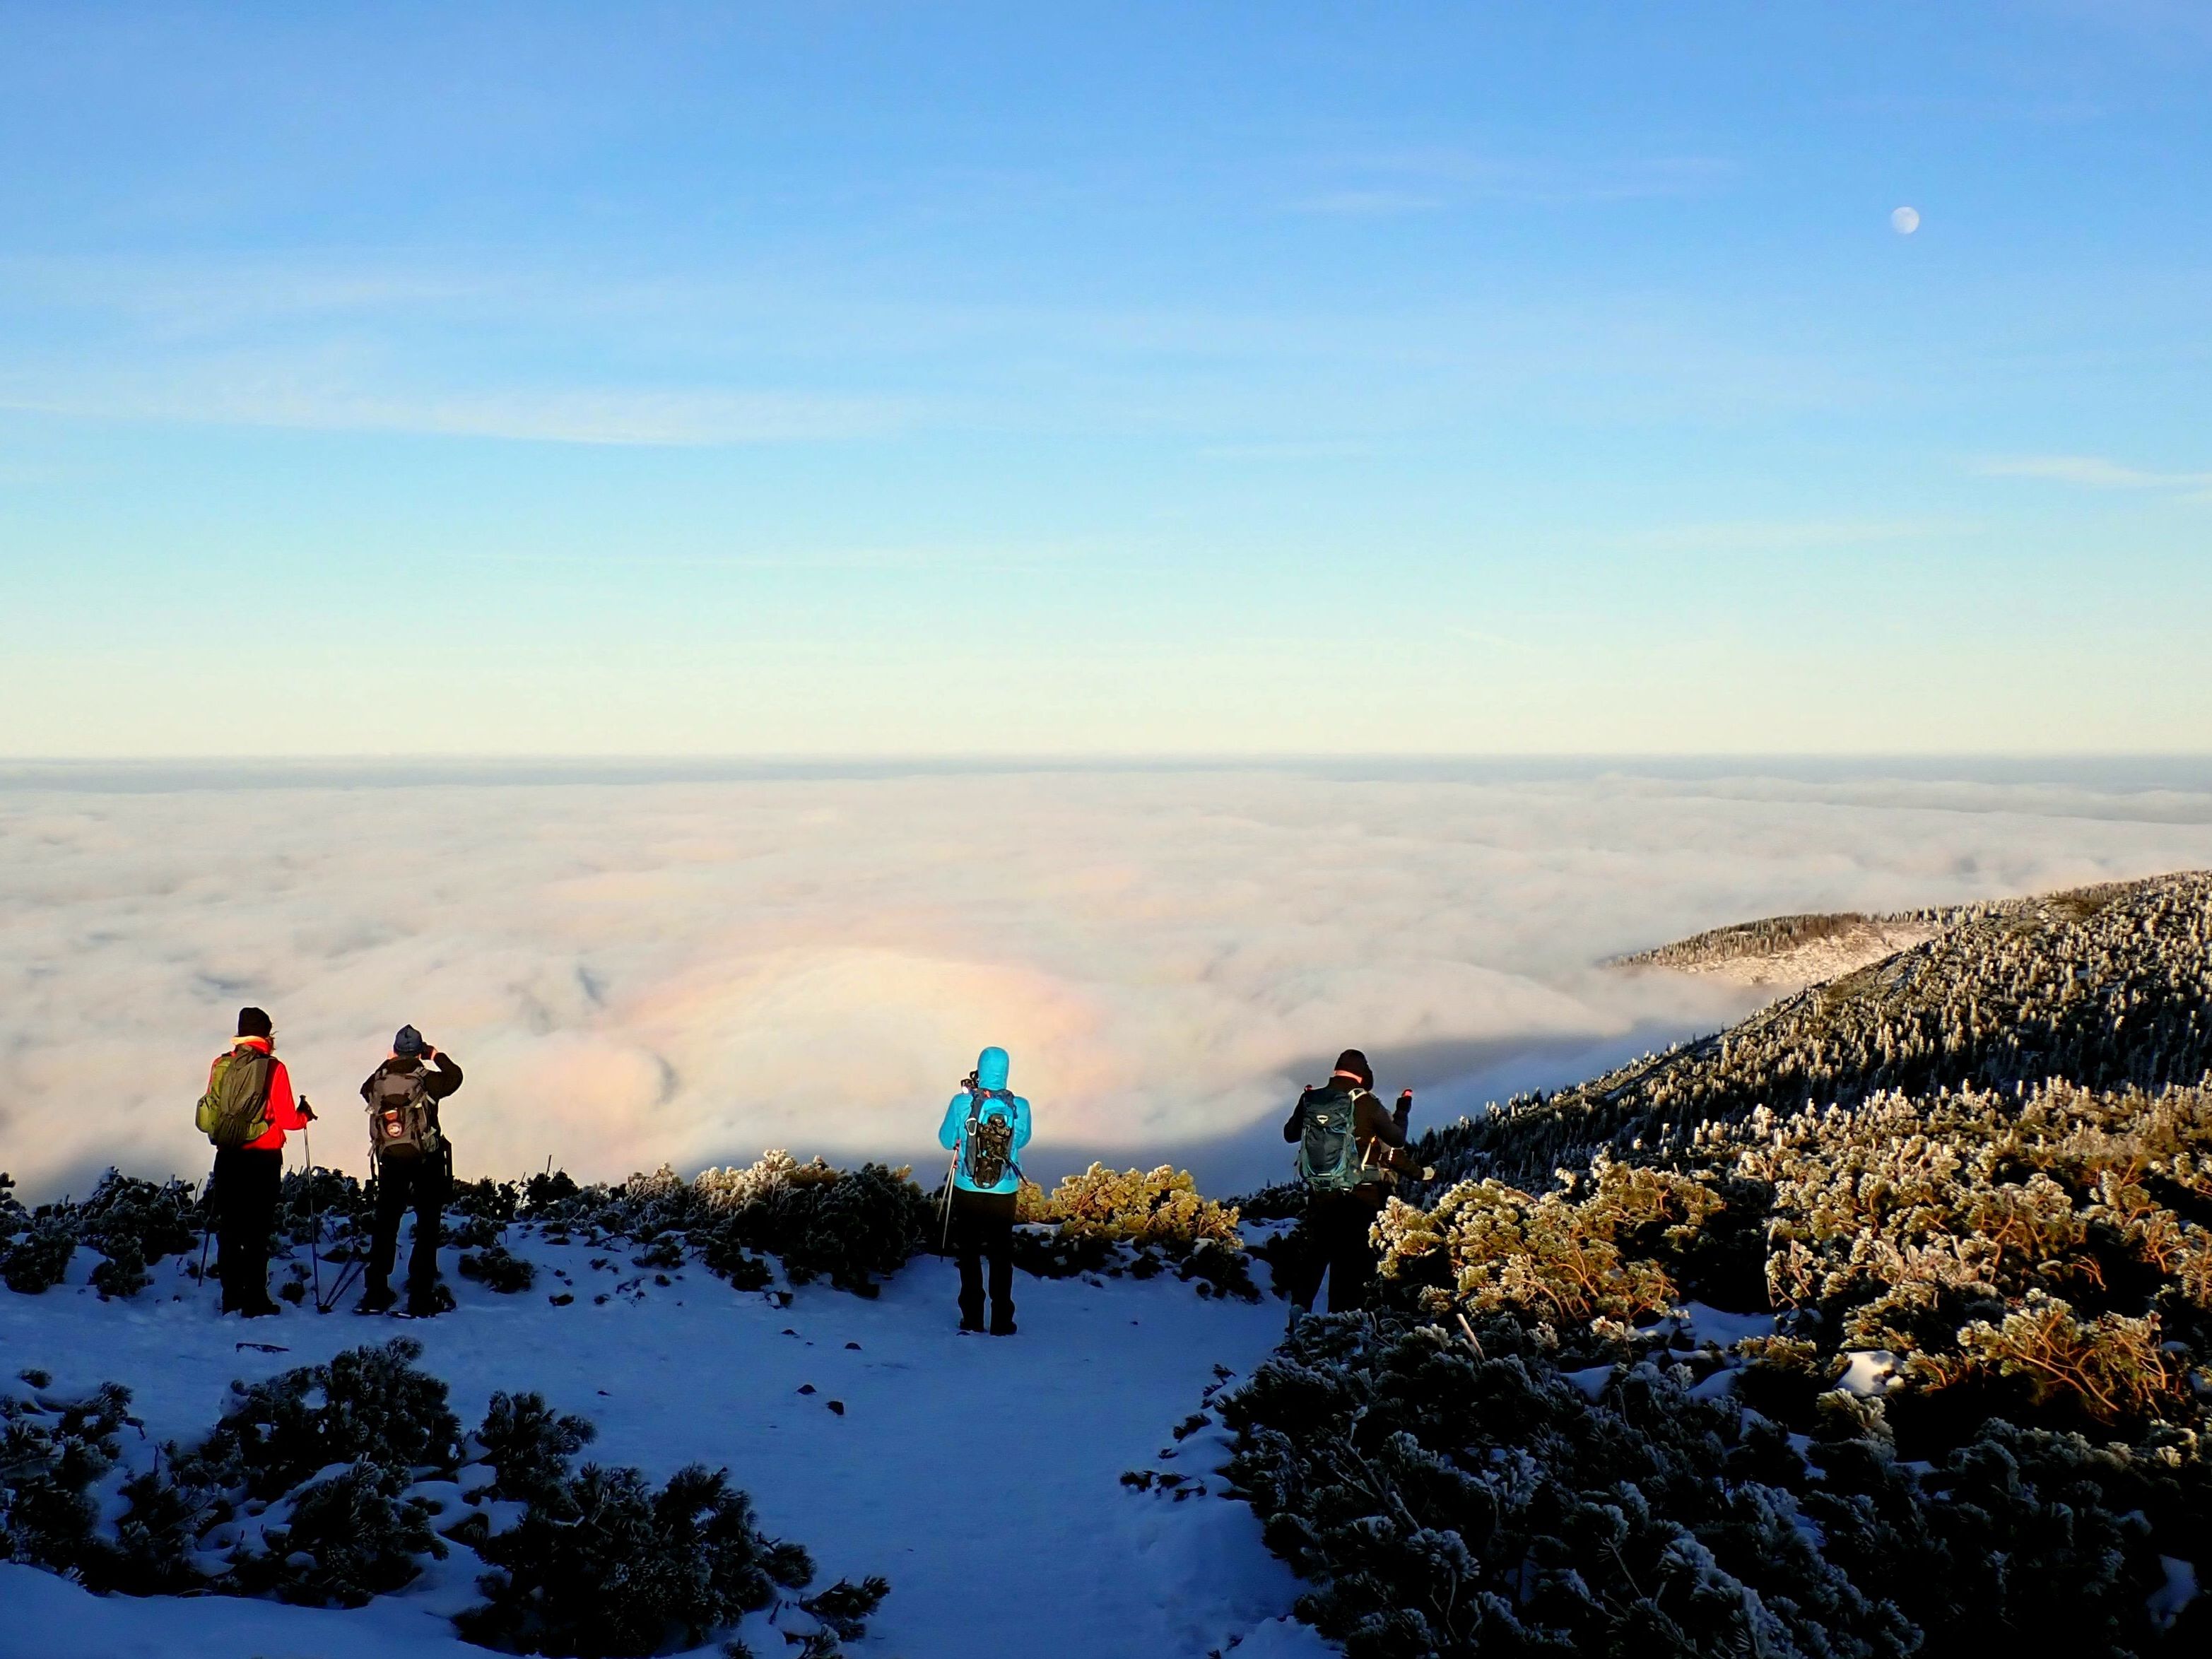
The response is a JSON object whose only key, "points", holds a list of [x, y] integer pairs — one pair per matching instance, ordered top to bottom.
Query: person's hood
{"points": [[992, 1067]]}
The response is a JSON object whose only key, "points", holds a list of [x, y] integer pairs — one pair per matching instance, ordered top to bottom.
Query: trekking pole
{"points": [[314, 1214], [207, 1223], [945, 1236]]}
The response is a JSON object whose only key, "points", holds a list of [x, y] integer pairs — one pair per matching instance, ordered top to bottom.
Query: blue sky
{"points": [[1118, 378]]}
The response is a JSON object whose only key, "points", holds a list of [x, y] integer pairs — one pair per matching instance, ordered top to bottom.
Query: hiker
{"points": [[247, 1108], [985, 1127], [1351, 1153], [414, 1164]]}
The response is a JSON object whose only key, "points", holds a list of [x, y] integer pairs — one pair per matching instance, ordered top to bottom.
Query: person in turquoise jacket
{"points": [[985, 1128]]}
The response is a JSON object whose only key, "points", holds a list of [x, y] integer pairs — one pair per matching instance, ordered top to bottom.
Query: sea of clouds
{"points": [[636, 968]]}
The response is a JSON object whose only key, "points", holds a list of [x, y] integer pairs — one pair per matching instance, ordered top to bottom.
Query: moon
{"points": [[1905, 220]]}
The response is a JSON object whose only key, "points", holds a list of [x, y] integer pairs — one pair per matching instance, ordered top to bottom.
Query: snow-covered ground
{"points": [[980, 1475]]}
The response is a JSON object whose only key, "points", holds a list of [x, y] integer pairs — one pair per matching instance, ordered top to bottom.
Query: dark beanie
{"points": [[251, 1022], [408, 1041], [1353, 1061]]}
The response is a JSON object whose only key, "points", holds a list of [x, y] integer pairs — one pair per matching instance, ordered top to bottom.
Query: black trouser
{"points": [[417, 1184], [246, 1185], [983, 1225], [1332, 1239]]}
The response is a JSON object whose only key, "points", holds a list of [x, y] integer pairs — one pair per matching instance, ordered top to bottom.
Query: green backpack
{"points": [[234, 1110], [1328, 1151]]}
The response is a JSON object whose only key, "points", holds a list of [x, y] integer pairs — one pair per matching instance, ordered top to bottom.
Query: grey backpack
{"points": [[403, 1120]]}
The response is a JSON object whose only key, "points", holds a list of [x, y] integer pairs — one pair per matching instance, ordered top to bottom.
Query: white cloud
{"points": [[260, 393], [2092, 472], [1789, 535], [692, 970]]}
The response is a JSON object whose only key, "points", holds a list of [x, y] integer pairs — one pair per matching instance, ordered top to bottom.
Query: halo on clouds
{"points": [[693, 971]]}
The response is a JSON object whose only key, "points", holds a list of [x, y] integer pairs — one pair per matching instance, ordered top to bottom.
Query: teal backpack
{"points": [[1328, 1151]]}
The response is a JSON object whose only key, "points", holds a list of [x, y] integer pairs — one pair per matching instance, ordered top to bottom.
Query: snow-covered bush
{"points": [[724, 1190], [1162, 1207], [1140, 1222], [865, 1223], [133, 1224], [849, 1226], [1590, 1251], [40, 1255], [500, 1269], [368, 1402], [52, 1450], [305, 1492], [1456, 1493], [343, 1540], [603, 1564]]}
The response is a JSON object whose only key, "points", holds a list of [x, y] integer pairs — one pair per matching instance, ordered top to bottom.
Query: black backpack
{"points": [[987, 1144], [1329, 1160]]}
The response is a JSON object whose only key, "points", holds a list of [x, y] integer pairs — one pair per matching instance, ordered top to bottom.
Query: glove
{"points": [[307, 1112]]}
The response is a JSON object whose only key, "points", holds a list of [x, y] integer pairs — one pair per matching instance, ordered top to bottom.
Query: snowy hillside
{"points": [[981, 1476]]}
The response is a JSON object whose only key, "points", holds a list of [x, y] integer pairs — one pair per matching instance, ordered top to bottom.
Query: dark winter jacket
{"points": [[439, 1078], [1380, 1135]]}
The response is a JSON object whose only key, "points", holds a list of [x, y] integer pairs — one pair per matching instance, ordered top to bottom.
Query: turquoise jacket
{"points": [[991, 1069]]}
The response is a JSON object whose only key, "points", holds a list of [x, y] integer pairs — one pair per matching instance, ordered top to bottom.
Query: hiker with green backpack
{"points": [[245, 1113], [985, 1127], [1351, 1153], [414, 1164]]}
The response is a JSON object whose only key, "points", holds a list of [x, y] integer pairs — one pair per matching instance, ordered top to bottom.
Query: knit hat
{"points": [[251, 1022], [408, 1041], [1354, 1063]]}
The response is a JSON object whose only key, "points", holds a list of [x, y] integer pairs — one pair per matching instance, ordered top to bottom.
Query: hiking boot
{"points": [[377, 1299], [425, 1305], [261, 1309], [971, 1325], [1003, 1325]]}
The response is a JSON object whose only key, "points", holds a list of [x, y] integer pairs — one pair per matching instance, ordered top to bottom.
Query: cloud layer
{"points": [[689, 970]]}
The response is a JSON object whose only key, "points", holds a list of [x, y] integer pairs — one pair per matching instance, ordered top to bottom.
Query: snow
{"points": [[1723, 1330], [1870, 1373], [1592, 1380], [957, 1460], [2179, 1589]]}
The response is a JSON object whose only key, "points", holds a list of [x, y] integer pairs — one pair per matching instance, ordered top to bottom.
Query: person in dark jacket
{"points": [[248, 1179], [417, 1182], [1333, 1238]]}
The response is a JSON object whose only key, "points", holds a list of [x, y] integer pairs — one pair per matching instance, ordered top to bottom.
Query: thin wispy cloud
{"points": [[1427, 182], [1371, 204], [249, 396], [2092, 472], [1790, 535]]}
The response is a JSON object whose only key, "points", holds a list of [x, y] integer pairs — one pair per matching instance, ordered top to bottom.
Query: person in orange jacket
{"points": [[248, 1176]]}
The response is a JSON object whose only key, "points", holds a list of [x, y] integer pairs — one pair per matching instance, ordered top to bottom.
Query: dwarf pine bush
{"points": [[1161, 1207], [1981, 1417], [52, 1450], [1456, 1494], [341, 1540]]}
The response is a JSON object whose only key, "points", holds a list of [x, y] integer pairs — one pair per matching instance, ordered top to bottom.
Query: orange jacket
{"points": [[284, 1112]]}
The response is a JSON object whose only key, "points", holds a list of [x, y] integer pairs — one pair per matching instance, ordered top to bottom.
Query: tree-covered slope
{"points": [[2104, 986]]}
